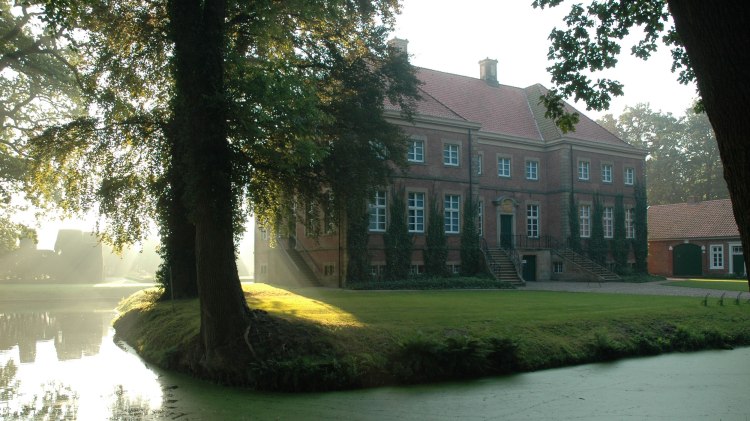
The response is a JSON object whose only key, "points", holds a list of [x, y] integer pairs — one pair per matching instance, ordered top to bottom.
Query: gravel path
{"points": [[646, 288]]}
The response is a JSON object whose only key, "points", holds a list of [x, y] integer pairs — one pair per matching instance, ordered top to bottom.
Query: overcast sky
{"points": [[452, 36]]}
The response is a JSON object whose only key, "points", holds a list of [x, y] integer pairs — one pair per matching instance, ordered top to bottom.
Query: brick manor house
{"points": [[476, 136]]}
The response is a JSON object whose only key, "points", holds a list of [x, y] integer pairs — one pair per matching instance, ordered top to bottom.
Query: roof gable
{"points": [[500, 109]]}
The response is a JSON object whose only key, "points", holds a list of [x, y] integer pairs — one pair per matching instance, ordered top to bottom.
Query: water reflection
{"points": [[67, 366]]}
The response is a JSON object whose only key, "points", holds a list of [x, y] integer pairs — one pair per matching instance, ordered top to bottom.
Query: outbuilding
{"points": [[694, 239]]}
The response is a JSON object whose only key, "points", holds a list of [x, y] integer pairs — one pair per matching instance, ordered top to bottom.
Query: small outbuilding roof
{"points": [[709, 219]]}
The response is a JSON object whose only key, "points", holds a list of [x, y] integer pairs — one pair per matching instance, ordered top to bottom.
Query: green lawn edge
{"points": [[718, 284], [319, 339]]}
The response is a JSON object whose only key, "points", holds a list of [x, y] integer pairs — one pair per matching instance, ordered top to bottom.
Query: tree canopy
{"points": [[38, 88], [683, 161]]}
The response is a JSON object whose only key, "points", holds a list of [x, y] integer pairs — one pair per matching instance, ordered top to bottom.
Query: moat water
{"points": [[59, 360]]}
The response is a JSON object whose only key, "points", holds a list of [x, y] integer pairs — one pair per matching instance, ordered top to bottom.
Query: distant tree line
{"points": [[683, 161]]}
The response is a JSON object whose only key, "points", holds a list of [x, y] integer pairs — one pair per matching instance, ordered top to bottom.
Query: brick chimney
{"points": [[399, 44], [488, 71]]}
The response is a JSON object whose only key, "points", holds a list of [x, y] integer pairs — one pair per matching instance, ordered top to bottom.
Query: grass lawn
{"points": [[721, 284], [386, 337]]}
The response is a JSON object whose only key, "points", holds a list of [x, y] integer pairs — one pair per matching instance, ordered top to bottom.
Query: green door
{"points": [[506, 231], [687, 260], [738, 264], [529, 268]]}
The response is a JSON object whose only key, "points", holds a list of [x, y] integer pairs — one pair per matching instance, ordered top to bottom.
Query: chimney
{"points": [[399, 44], [488, 71]]}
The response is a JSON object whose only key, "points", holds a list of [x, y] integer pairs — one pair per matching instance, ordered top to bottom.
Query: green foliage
{"points": [[591, 43], [679, 148], [574, 224], [357, 236], [398, 241], [640, 243], [620, 246], [436, 250], [597, 250], [472, 259], [425, 283]]}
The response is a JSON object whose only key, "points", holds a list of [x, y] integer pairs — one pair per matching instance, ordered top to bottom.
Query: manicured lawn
{"points": [[720, 284], [370, 338]]}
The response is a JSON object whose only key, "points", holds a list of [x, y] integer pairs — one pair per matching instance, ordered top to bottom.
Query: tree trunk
{"points": [[716, 38], [199, 106]]}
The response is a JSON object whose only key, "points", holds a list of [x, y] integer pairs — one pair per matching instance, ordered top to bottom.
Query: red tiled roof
{"points": [[500, 109], [709, 219]]}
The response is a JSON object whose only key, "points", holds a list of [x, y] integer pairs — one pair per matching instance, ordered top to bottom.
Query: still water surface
{"points": [[61, 361]]}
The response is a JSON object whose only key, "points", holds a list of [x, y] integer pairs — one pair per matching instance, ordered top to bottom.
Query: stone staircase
{"points": [[587, 265], [501, 266], [303, 269]]}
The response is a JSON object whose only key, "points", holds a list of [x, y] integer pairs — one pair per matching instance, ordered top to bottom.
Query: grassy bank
{"points": [[333, 339]]}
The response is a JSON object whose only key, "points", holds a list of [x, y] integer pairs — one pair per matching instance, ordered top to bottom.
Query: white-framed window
{"points": [[415, 152], [450, 154], [480, 163], [503, 166], [532, 170], [584, 170], [606, 173], [629, 176], [377, 212], [584, 213], [415, 214], [451, 217], [480, 218], [532, 221], [608, 222], [630, 223], [717, 256], [557, 267], [454, 268], [329, 269], [416, 270]]}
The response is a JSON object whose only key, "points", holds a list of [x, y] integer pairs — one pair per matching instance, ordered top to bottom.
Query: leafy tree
{"points": [[704, 40], [39, 88], [250, 115], [678, 149], [574, 224], [357, 238], [398, 241], [640, 244], [597, 246], [620, 246], [436, 250], [472, 259]]}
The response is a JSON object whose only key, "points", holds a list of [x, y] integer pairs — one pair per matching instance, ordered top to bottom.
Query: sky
{"points": [[453, 36]]}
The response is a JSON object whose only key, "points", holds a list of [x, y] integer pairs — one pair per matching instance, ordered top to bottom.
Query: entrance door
{"points": [[506, 231], [687, 260], [738, 260], [529, 268]]}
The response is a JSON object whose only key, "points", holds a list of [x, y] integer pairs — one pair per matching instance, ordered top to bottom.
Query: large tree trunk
{"points": [[716, 38], [199, 104], [178, 238]]}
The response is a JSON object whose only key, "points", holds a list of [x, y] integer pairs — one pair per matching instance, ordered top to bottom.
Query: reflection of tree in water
{"points": [[75, 334], [79, 334], [55, 402]]}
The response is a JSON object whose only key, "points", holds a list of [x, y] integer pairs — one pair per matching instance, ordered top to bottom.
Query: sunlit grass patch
{"points": [[720, 284], [289, 304]]}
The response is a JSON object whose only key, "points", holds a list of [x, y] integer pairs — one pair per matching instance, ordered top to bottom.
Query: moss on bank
{"points": [[314, 339]]}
